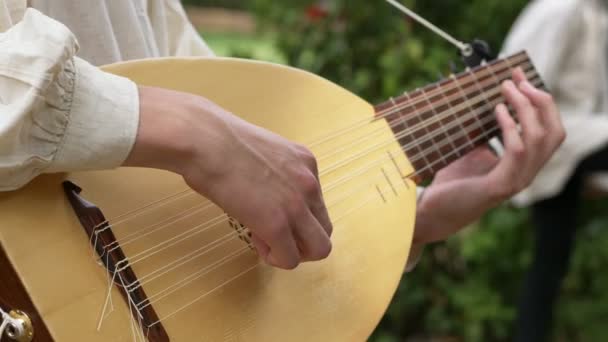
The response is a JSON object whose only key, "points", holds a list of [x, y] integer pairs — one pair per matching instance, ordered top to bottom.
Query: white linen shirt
{"points": [[568, 42], [58, 112]]}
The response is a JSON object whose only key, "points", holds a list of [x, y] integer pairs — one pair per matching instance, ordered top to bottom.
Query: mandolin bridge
{"points": [[100, 233]]}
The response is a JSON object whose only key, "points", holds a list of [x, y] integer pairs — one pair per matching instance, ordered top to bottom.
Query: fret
{"points": [[499, 80], [485, 106], [459, 116], [476, 118], [438, 125], [460, 126], [418, 138], [406, 140]]}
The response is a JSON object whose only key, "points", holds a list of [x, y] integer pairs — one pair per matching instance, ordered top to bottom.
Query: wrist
{"points": [[165, 122], [425, 221]]}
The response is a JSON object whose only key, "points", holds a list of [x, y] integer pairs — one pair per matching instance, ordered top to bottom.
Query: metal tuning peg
{"points": [[479, 51]]}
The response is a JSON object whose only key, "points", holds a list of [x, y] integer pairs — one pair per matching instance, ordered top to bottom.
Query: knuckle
{"points": [[546, 98], [537, 136], [518, 151], [307, 156], [309, 184], [504, 191], [296, 207], [278, 227], [321, 251]]}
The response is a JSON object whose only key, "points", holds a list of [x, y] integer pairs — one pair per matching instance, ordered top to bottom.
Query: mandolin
{"points": [[134, 254]]}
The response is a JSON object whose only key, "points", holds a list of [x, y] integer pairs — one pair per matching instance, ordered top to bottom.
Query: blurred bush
{"points": [[370, 48], [465, 289]]}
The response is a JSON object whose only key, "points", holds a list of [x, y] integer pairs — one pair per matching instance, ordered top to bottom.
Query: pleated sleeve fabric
{"points": [[57, 112]]}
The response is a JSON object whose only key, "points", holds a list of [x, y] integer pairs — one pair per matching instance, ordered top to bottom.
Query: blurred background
{"points": [[465, 289]]}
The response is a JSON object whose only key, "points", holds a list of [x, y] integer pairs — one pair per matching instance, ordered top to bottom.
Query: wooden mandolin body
{"points": [[339, 299]]}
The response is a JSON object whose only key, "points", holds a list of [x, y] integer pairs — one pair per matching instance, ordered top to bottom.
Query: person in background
{"points": [[568, 41], [58, 113]]}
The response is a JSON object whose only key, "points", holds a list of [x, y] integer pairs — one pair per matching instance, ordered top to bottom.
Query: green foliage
{"points": [[369, 48], [467, 288]]}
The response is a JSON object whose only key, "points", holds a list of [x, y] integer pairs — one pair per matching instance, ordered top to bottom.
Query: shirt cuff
{"points": [[102, 123]]}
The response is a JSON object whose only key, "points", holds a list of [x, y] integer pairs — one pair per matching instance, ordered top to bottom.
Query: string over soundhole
{"points": [[243, 232]]}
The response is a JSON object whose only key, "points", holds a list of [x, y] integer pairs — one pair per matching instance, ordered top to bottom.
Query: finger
{"points": [[518, 75], [547, 110], [532, 128], [514, 148], [315, 201], [319, 211], [312, 239], [260, 247], [283, 251]]}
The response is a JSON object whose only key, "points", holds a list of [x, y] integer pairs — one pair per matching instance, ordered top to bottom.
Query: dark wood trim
{"points": [[93, 220], [13, 296]]}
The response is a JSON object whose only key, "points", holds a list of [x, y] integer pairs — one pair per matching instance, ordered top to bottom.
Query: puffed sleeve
{"points": [[57, 112]]}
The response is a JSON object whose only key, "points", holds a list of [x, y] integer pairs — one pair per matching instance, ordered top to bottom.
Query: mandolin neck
{"points": [[442, 122]]}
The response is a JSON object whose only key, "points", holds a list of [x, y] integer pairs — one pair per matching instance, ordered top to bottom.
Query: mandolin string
{"points": [[424, 110], [390, 111], [385, 113], [403, 132], [360, 140], [413, 159], [212, 224], [141, 233], [190, 233], [231, 236], [180, 240], [202, 250], [164, 267], [206, 269], [246, 270], [158, 272], [190, 278], [228, 281], [184, 282], [158, 296], [144, 304], [135, 331]]}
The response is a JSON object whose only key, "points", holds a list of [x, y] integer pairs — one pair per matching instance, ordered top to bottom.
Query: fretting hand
{"points": [[479, 181], [266, 182]]}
